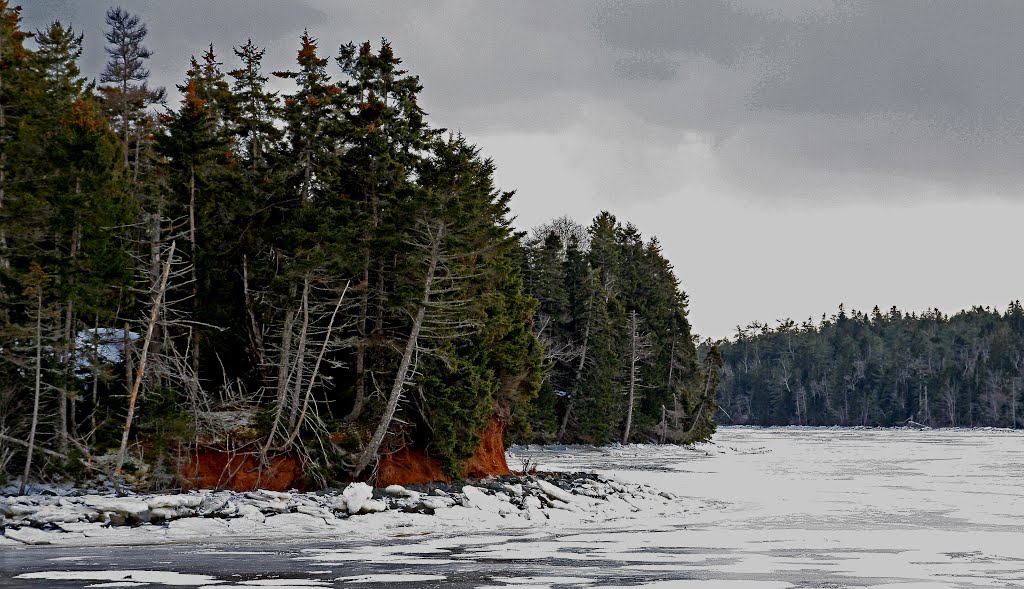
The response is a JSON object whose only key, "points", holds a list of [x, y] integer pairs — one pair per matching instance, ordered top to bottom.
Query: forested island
{"points": [[255, 287], [878, 369]]}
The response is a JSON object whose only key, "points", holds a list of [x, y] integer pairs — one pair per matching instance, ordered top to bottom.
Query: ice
{"points": [[760, 508], [157, 577], [391, 578]]}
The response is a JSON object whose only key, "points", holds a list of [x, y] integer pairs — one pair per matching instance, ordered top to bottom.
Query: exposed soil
{"points": [[412, 465], [206, 468]]}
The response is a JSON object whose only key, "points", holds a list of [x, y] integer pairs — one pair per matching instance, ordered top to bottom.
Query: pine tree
{"points": [[128, 94], [388, 135]]}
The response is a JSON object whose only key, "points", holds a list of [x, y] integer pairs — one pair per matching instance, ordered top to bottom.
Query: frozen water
{"points": [[763, 508]]}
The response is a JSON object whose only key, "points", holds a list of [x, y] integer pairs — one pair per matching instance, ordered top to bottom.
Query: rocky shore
{"points": [[73, 517]]}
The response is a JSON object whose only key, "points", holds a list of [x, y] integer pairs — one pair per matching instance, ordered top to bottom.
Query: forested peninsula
{"points": [[255, 287], [879, 369]]}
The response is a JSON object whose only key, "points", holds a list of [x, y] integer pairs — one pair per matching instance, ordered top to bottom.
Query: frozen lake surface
{"points": [[788, 507]]}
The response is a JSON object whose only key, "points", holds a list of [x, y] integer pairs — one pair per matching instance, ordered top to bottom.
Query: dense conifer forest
{"points": [[316, 273], [871, 369]]}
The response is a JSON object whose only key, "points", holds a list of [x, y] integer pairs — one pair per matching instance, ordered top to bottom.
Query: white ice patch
{"points": [[158, 577], [391, 578], [543, 581]]}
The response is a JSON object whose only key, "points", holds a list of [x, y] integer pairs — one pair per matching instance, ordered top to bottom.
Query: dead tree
{"points": [[39, 280], [154, 313], [639, 350], [299, 370]]}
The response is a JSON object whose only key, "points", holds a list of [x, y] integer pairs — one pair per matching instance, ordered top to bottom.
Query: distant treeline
{"points": [[316, 273], [879, 368]]}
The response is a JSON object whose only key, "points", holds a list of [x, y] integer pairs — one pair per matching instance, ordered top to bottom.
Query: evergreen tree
{"points": [[128, 94]]}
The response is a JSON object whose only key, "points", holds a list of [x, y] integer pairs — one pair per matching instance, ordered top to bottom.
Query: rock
{"points": [[516, 489], [400, 491], [554, 492], [277, 495], [355, 495], [173, 501], [337, 503], [433, 503], [211, 504], [372, 506], [124, 507], [314, 511], [251, 512], [170, 513]]}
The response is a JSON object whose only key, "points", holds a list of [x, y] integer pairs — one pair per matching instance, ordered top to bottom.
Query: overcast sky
{"points": [[790, 155]]}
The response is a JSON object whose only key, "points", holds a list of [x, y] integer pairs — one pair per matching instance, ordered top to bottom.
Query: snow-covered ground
{"points": [[786, 507]]}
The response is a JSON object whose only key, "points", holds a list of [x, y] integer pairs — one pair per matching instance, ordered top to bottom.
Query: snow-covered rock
{"points": [[400, 491], [553, 492], [355, 495]]}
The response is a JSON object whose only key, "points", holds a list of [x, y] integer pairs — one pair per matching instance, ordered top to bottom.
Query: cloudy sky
{"points": [[790, 155]]}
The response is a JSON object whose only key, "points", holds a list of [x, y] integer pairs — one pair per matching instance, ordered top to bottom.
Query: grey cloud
{"points": [[791, 95]]}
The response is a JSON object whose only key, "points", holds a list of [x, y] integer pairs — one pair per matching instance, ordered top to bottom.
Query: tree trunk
{"points": [[192, 253], [4, 262], [364, 303], [153, 314], [300, 355], [283, 373], [632, 375], [312, 377], [38, 389], [369, 454]]}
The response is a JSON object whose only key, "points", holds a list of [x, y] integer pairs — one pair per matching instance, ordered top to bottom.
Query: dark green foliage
{"points": [[62, 201], [347, 279], [585, 295], [878, 368]]}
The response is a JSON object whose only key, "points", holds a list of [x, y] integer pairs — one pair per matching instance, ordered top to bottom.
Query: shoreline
{"points": [[358, 510]]}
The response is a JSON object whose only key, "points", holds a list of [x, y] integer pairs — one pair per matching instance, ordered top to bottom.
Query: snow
{"points": [[105, 344]]}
